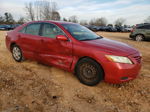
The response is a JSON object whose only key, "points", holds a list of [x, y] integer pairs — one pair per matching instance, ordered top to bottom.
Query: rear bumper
{"points": [[118, 72]]}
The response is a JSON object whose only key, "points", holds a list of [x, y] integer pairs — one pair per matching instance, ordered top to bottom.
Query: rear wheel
{"points": [[139, 37], [17, 53], [89, 72]]}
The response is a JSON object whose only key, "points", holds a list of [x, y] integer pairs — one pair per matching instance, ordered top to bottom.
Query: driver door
{"points": [[55, 52]]}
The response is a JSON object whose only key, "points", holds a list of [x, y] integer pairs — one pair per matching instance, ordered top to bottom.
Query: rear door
{"points": [[30, 41], [55, 52]]}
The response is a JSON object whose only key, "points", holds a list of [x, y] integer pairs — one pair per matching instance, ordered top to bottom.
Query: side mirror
{"points": [[61, 37]]}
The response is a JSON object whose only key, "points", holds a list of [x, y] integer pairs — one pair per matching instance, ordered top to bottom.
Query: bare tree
{"points": [[54, 7], [38, 9], [42, 10], [30, 11], [47, 11], [55, 16], [9, 18], [1, 19], [73, 19], [21, 20], [147, 20], [92, 21], [101, 21], [83, 22], [98, 22], [119, 22]]}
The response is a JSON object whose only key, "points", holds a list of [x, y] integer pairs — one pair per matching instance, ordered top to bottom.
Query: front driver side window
{"points": [[51, 30]]}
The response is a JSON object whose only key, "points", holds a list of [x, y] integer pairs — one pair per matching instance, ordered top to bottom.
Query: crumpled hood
{"points": [[112, 46]]}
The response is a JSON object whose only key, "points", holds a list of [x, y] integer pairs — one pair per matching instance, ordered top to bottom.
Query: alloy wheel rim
{"points": [[139, 38], [16, 53]]}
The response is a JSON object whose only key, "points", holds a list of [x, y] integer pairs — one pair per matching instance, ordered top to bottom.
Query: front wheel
{"points": [[17, 53], [89, 72]]}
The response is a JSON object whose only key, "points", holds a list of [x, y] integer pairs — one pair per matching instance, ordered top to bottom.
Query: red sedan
{"points": [[74, 48]]}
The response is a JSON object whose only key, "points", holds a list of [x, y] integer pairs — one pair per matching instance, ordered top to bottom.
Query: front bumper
{"points": [[118, 72]]}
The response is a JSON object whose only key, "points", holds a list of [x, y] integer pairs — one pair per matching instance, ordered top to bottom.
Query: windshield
{"points": [[80, 32]]}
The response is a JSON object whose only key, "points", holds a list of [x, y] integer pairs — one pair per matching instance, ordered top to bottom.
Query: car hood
{"points": [[111, 46]]}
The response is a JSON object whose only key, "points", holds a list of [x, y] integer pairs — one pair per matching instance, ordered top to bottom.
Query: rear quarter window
{"points": [[23, 30]]}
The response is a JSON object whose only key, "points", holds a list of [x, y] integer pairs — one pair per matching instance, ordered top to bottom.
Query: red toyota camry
{"points": [[74, 48]]}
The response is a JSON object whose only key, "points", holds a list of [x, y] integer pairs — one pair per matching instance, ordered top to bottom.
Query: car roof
{"points": [[45, 21], [55, 22], [142, 24]]}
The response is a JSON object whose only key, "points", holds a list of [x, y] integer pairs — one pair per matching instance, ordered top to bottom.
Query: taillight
{"points": [[133, 29]]}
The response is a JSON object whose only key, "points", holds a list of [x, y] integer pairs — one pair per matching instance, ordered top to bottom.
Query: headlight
{"points": [[119, 59]]}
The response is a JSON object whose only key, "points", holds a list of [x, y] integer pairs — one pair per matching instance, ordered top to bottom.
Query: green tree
{"points": [[8, 18], [1, 19], [64, 19], [21, 20], [110, 25]]}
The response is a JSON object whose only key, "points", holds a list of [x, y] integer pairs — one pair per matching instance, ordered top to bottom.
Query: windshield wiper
{"points": [[98, 38], [85, 39], [90, 39]]}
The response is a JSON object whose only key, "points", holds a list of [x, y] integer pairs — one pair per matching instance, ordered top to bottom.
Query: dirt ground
{"points": [[33, 87]]}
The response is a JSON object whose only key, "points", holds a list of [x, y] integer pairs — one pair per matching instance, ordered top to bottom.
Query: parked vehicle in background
{"points": [[13, 26], [4, 27], [8, 27], [91, 27], [101, 28], [120, 28], [110, 29], [128, 29], [141, 32], [74, 48]]}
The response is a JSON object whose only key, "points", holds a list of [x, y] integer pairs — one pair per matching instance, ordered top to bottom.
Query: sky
{"points": [[134, 11]]}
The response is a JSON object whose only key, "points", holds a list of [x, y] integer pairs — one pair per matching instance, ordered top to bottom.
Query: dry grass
{"points": [[32, 87]]}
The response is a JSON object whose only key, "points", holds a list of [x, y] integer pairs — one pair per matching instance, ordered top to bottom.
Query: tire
{"points": [[139, 37], [17, 53], [89, 72]]}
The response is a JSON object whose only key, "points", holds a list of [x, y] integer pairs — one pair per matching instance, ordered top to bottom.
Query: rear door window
{"points": [[33, 29]]}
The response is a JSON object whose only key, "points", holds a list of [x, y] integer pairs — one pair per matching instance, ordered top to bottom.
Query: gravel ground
{"points": [[33, 87]]}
